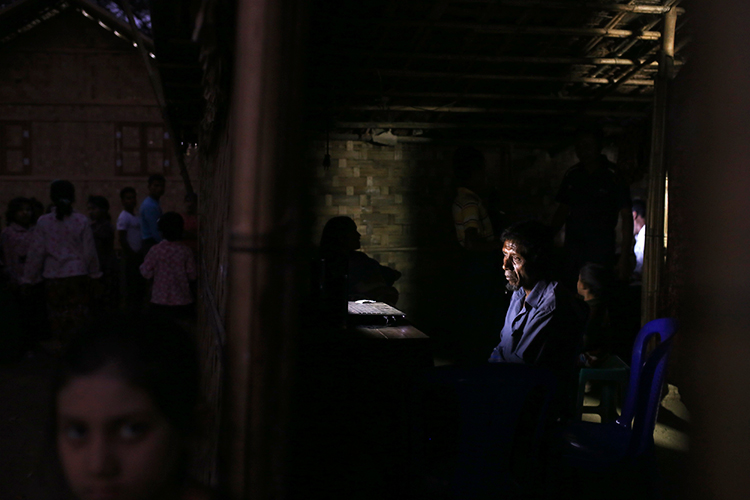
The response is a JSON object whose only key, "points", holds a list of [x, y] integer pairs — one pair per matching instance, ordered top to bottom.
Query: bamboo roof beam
{"points": [[572, 5], [617, 19], [513, 29], [424, 33], [591, 45], [593, 61], [510, 78], [622, 80], [498, 97], [510, 111], [348, 125], [427, 125]]}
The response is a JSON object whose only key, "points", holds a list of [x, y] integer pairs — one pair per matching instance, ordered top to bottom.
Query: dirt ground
{"points": [[25, 441]]}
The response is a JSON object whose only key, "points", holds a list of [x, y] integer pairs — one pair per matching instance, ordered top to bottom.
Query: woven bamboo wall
{"points": [[65, 88], [401, 198], [213, 210]]}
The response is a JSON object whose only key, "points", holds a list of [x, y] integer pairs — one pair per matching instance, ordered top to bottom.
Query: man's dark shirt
{"points": [[595, 200], [543, 329]]}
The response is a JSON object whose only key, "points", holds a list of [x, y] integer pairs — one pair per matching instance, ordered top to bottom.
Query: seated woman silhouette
{"points": [[367, 279]]}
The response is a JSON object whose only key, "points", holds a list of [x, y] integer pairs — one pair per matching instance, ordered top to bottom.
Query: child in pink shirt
{"points": [[172, 267]]}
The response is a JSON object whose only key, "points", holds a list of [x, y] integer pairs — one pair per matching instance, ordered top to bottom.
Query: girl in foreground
{"points": [[125, 408]]}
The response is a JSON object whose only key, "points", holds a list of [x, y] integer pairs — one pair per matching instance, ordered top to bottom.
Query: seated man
{"points": [[543, 324]]}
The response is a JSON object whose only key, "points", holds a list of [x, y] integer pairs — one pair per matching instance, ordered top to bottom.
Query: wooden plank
{"points": [[392, 332]]}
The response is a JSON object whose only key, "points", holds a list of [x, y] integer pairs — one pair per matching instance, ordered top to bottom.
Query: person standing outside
{"points": [[591, 199], [150, 212], [639, 231], [129, 236], [63, 252], [171, 265]]}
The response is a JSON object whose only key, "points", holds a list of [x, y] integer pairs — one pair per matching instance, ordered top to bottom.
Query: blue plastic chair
{"points": [[503, 412], [596, 447]]}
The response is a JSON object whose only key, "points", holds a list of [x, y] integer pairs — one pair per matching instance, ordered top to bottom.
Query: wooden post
{"points": [[266, 231], [653, 258], [715, 318]]}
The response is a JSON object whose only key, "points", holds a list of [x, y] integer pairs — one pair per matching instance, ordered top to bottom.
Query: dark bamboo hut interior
{"points": [[302, 111]]}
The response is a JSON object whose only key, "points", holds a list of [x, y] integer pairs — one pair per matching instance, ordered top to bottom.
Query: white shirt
{"points": [[131, 224], [640, 242]]}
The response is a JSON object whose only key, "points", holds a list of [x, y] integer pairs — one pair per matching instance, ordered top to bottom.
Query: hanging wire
{"points": [[327, 157]]}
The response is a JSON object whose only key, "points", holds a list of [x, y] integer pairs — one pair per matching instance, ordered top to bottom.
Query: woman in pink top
{"points": [[63, 253], [172, 267]]}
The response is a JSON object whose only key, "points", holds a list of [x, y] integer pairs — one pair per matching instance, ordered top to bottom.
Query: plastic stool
{"points": [[614, 374]]}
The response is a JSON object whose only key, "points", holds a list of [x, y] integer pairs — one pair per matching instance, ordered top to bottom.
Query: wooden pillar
{"points": [[266, 230], [653, 259], [715, 324]]}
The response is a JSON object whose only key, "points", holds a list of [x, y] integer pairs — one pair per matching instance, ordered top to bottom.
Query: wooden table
{"points": [[353, 410]]}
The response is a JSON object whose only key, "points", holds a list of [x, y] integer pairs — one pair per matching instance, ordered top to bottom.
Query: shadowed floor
{"points": [[24, 445]]}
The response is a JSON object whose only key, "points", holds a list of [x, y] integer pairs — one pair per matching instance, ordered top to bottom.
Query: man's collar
{"points": [[535, 296]]}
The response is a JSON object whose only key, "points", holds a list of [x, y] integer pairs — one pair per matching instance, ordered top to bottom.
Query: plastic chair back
{"points": [[664, 328], [649, 397]]}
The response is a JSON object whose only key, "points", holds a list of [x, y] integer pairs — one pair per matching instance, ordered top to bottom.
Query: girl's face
{"points": [[24, 215], [113, 442]]}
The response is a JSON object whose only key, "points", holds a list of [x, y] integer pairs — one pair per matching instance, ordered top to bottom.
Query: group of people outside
{"points": [[61, 269]]}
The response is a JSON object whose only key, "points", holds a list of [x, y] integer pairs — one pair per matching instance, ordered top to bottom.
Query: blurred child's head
{"points": [[156, 186], [63, 195], [128, 198], [191, 203], [98, 208], [20, 212], [171, 225], [594, 281], [125, 401]]}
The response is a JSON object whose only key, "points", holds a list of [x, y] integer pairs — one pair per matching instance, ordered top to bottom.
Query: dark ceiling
{"points": [[483, 69]]}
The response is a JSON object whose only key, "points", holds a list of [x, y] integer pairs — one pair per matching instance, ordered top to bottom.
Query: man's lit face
{"points": [[514, 264]]}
